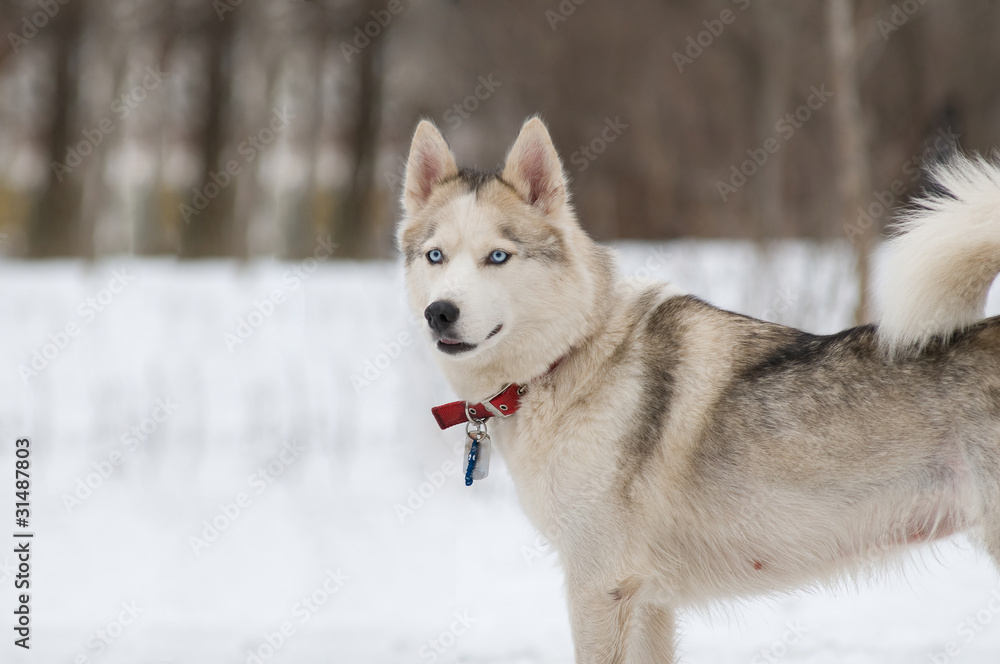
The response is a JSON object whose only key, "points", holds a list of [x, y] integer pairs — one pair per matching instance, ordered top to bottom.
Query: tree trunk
{"points": [[776, 23], [853, 178], [55, 225], [353, 227], [212, 232]]}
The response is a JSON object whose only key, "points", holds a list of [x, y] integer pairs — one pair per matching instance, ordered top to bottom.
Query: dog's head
{"points": [[495, 262]]}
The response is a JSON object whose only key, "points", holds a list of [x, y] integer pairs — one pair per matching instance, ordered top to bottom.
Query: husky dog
{"points": [[678, 454]]}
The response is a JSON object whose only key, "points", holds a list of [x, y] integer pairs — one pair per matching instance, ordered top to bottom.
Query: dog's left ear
{"points": [[534, 170]]}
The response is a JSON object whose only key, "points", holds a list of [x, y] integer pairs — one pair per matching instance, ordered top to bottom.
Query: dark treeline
{"points": [[246, 128]]}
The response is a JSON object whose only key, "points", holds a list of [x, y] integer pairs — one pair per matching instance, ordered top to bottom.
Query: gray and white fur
{"points": [[680, 454]]}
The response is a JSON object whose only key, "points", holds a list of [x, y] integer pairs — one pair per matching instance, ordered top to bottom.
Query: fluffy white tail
{"points": [[940, 266]]}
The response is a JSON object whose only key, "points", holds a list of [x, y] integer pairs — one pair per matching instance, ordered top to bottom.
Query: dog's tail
{"points": [[939, 267]]}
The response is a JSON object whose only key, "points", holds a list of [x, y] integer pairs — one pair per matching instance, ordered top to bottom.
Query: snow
{"points": [[305, 471]]}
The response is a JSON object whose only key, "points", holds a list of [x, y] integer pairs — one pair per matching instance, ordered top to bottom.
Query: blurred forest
{"points": [[250, 127]]}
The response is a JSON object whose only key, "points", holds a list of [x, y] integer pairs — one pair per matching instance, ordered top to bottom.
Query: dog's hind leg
{"points": [[983, 511], [989, 534], [617, 627]]}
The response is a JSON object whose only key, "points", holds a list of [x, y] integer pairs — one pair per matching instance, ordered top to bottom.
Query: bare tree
{"points": [[776, 24], [693, 87], [853, 178], [353, 223], [55, 228], [214, 231]]}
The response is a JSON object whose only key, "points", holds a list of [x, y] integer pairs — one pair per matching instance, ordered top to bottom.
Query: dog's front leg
{"points": [[600, 621], [614, 626], [653, 641]]}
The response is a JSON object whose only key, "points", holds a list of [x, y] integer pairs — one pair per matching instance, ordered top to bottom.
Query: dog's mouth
{"points": [[456, 347]]}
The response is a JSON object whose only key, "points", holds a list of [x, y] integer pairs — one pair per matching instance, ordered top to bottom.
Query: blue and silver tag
{"points": [[477, 451]]}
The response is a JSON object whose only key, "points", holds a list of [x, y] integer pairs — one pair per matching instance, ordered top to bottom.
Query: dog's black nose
{"points": [[440, 315]]}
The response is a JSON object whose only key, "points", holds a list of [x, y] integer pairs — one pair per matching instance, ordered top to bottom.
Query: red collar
{"points": [[503, 404]]}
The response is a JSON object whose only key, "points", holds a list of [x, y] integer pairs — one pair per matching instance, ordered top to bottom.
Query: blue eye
{"points": [[435, 256], [498, 257]]}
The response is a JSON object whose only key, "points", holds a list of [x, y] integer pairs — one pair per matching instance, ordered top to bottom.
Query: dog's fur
{"points": [[679, 453]]}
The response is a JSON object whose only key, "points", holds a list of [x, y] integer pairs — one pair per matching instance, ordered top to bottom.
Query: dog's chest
{"points": [[560, 472]]}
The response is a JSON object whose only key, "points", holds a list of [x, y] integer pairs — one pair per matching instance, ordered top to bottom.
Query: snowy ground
{"points": [[303, 469]]}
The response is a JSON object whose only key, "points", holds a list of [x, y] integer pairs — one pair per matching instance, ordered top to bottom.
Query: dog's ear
{"points": [[430, 163], [534, 170]]}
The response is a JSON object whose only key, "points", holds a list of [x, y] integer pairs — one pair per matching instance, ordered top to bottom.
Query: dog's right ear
{"points": [[430, 163]]}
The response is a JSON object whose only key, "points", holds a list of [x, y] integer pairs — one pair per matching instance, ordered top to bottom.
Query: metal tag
{"points": [[477, 449], [477, 458]]}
